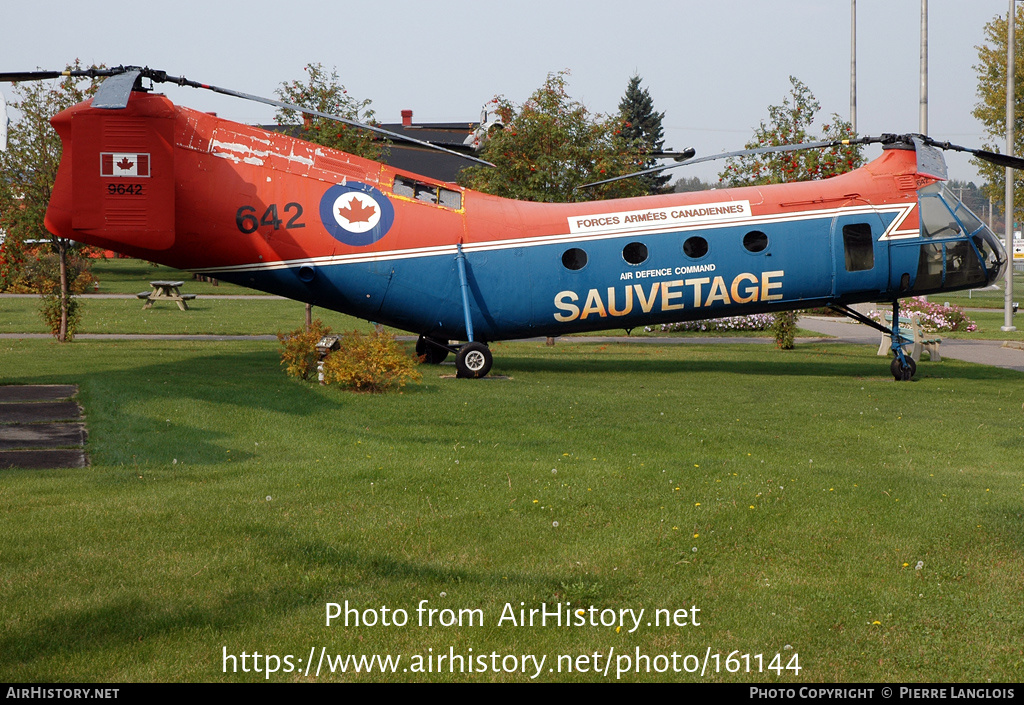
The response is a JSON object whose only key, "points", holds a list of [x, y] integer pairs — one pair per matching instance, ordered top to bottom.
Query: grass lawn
{"points": [[130, 276], [983, 298], [265, 316], [989, 323], [789, 496]]}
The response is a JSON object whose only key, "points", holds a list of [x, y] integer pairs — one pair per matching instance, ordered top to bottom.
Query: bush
{"points": [[43, 274], [51, 313], [785, 329], [298, 354], [370, 363]]}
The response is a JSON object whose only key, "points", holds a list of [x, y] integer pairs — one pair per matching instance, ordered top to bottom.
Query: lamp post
{"points": [[853, 66], [1010, 69], [923, 122]]}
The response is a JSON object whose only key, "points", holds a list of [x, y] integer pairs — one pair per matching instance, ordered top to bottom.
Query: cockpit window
{"points": [[936, 218], [971, 222], [988, 249], [966, 252]]}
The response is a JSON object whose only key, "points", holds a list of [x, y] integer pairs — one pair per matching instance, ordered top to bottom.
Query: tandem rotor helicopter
{"points": [[142, 176]]}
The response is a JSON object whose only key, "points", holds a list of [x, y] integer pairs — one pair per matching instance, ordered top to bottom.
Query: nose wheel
{"points": [[473, 360], [903, 368]]}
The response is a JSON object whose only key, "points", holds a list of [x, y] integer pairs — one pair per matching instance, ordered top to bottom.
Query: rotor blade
{"points": [[16, 76], [160, 77], [114, 92], [727, 155], [678, 156], [999, 159], [1004, 160]]}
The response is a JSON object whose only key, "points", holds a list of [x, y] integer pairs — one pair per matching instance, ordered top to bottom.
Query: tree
{"points": [[323, 92], [991, 107], [791, 123], [643, 125], [552, 144], [28, 169], [692, 183]]}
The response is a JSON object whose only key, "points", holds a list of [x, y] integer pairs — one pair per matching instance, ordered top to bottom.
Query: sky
{"points": [[713, 68]]}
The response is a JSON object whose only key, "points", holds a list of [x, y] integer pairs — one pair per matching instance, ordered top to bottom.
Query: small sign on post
{"points": [[327, 345]]}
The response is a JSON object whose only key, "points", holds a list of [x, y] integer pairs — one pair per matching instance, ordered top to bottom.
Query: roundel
{"points": [[356, 214]]}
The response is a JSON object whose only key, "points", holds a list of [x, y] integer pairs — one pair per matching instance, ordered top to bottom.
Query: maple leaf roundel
{"points": [[356, 214]]}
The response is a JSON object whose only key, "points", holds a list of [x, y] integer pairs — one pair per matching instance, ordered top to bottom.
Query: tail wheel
{"points": [[432, 350], [474, 360], [904, 369]]}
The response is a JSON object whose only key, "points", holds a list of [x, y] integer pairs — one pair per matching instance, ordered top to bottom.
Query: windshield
{"points": [[964, 253]]}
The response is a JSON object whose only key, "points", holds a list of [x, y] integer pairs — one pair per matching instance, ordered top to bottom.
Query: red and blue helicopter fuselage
{"points": [[278, 214]]}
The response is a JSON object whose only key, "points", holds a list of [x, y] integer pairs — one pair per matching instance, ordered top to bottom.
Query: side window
{"points": [[427, 193], [755, 241], [695, 247], [859, 247], [635, 253], [574, 259]]}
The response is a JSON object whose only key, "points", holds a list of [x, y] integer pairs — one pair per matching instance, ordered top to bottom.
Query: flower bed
{"points": [[934, 317], [760, 321]]}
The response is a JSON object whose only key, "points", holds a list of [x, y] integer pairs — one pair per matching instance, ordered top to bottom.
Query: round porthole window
{"points": [[755, 241], [695, 247], [635, 253], [574, 258]]}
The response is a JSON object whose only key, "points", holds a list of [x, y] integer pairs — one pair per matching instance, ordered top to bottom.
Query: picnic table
{"points": [[166, 290]]}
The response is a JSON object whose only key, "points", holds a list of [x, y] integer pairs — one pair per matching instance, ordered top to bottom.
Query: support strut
{"points": [[460, 261], [903, 366]]}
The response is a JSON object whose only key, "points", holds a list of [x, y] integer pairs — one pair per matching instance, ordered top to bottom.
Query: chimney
{"points": [[406, 118]]}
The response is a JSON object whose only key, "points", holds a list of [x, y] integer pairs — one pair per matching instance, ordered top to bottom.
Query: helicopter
{"points": [[142, 176]]}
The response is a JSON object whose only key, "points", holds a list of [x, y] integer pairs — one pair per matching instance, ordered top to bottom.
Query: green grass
{"points": [[130, 276], [983, 298], [265, 316], [989, 324], [227, 504]]}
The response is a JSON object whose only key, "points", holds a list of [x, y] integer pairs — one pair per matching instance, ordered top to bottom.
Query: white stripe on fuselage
{"points": [[892, 232]]}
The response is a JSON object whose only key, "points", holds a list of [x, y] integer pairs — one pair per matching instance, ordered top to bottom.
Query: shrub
{"points": [[43, 272], [51, 313], [785, 329], [298, 354], [370, 363]]}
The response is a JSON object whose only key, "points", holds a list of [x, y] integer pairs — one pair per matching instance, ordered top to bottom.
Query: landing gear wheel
{"points": [[432, 350], [473, 360], [904, 369]]}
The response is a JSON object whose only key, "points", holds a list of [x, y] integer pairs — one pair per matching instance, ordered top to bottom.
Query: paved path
{"points": [[1009, 354]]}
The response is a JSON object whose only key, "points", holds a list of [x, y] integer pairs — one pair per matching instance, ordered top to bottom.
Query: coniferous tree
{"points": [[642, 124]]}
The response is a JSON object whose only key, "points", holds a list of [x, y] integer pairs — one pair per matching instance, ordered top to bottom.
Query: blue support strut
{"points": [[460, 260], [898, 340]]}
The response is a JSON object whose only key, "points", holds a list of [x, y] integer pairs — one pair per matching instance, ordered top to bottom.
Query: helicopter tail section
{"points": [[116, 187]]}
